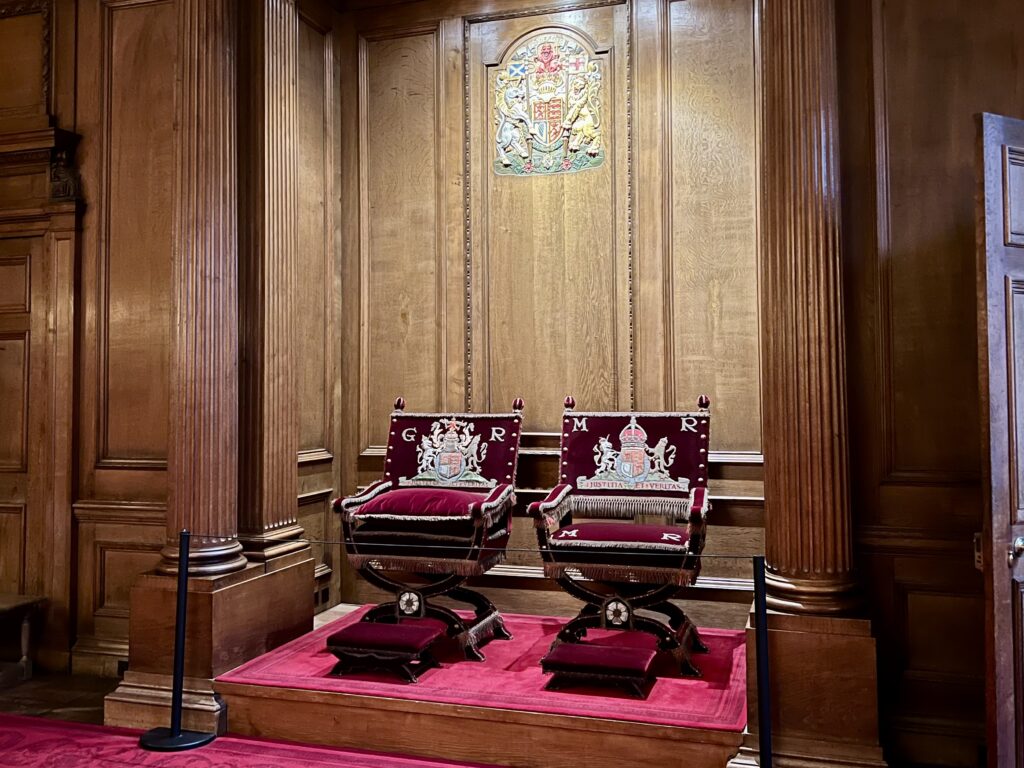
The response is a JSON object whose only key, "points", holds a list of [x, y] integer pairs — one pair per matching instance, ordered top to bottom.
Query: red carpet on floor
{"points": [[511, 677], [31, 742]]}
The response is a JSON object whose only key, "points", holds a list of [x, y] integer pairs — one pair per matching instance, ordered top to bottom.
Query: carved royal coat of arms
{"points": [[547, 108]]}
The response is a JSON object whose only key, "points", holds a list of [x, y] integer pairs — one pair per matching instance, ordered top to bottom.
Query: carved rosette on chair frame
{"points": [[655, 477], [441, 514]]}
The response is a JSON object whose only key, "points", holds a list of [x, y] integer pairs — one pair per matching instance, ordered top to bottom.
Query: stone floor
{"points": [[62, 697]]}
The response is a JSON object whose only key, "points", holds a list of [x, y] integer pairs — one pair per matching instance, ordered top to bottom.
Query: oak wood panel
{"points": [[127, 56], [25, 76], [136, 238], [551, 255], [402, 261], [713, 270], [14, 284], [314, 308], [319, 385], [14, 402], [116, 543], [12, 548]]}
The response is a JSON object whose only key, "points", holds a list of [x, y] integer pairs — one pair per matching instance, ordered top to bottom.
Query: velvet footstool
{"points": [[402, 648], [631, 668]]}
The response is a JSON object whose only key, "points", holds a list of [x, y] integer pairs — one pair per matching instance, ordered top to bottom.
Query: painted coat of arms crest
{"points": [[547, 108], [450, 454], [635, 465]]}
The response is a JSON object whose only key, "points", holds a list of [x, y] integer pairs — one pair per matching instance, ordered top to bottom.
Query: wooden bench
{"points": [[20, 608]]}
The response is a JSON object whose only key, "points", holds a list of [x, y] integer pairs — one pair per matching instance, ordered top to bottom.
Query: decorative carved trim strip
{"points": [[203, 460], [129, 512], [807, 537]]}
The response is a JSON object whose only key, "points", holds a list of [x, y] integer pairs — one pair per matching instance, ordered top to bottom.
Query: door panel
{"points": [[1001, 355]]}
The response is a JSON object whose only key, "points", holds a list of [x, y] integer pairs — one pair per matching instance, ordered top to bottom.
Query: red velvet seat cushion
{"points": [[423, 503], [617, 536], [376, 636], [599, 659]]}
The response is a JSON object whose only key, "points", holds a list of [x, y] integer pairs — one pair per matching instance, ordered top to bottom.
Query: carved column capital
{"points": [[203, 456], [807, 536]]}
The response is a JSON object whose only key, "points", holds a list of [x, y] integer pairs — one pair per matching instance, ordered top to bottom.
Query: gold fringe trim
{"points": [[672, 509]]}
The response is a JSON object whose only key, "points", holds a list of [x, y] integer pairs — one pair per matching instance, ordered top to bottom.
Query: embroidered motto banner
{"points": [[547, 108]]}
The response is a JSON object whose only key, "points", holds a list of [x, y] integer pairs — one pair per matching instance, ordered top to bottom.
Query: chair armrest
{"points": [[501, 497], [700, 504], [346, 505], [550, 511]]}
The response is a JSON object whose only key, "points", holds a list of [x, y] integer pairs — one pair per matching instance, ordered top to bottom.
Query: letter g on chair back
{"points": [[629, 515]]}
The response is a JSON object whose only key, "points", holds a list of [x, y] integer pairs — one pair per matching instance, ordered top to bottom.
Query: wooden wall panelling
{"points": [[127, 65], [25, 81], [123, 106], [908, 233], [37, 245], [551, 254], [538, 255], [713, 268], [317, 303], [116, 543]]}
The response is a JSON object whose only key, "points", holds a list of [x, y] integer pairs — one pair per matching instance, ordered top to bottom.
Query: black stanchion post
{"points": [[764, 702], [174, 739]]}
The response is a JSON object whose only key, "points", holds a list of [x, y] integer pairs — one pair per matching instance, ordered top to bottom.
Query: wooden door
{"points": [[1000, 237]]}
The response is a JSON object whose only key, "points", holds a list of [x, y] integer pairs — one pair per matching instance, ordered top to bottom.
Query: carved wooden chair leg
{"points": [[684, 627]]}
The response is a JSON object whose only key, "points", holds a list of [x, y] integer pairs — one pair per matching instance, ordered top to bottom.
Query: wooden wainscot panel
{"points": [[25, 75], [550, 218], [14, 284], [714, 339], [14, 406], [318, 521], [116, 543], [12, 547]]}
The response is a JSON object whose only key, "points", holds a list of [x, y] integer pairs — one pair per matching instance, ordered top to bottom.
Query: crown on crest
{"points": [[632, 433]]}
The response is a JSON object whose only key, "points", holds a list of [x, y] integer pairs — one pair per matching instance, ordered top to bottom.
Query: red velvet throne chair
{"points": [[639, 482], [441, 513]]}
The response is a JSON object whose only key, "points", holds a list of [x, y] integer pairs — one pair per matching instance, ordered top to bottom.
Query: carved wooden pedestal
{"points": [[231, 619]]}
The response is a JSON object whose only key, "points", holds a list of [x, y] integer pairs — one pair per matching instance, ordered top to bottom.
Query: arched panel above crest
{"points": [[548, 103]]}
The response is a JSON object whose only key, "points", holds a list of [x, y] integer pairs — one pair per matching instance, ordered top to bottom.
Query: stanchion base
{"points": [[161, 740]]}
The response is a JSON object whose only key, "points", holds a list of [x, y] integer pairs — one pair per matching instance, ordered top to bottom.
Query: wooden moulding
{"points": [[454, 732]]}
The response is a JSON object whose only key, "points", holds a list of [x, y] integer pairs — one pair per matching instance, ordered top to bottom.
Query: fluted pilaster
{"points": [[269, 248], [203, 455], [807, 544]]}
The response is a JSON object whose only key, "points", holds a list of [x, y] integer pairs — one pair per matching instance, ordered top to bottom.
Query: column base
{"points": [[273, 544], [231, 619], [824, 686], [143, 700], [809, 754]]}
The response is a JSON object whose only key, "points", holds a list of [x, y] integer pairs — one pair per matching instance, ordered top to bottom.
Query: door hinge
{"points": [[977, 552]]}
